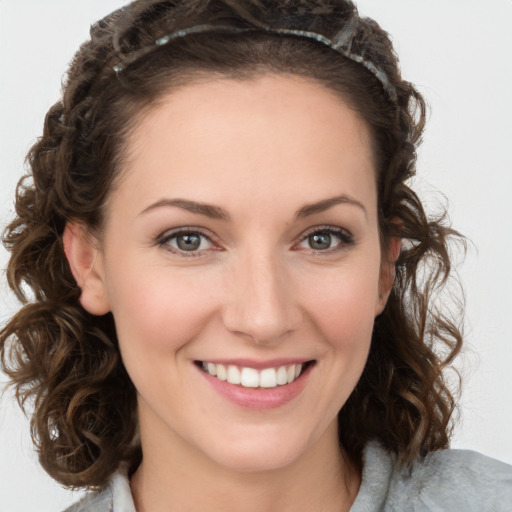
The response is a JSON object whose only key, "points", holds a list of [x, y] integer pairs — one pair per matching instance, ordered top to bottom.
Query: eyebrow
{"points": [[325, 204], [208, 210], [215, 212]]}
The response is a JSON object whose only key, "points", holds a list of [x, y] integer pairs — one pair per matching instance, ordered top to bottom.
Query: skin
{"points": [[260, 149]]}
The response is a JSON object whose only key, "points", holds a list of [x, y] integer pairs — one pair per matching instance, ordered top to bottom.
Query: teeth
{"points": [[212, 370], [221, 372], [290, 374], [233, 375], [282, 376], [252, 378], [268, 378]]}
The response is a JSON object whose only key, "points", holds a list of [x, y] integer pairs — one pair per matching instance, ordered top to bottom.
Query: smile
{"points": [[252, 378]]}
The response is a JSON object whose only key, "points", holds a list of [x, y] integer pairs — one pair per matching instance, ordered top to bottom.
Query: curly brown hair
{"points": [[66, 361]]}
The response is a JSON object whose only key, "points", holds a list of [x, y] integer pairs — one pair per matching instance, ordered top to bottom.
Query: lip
{"points": [[258, 398]]}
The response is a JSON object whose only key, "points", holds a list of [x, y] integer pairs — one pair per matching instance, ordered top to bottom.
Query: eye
{"points": [[325, 239], [186, 241]]}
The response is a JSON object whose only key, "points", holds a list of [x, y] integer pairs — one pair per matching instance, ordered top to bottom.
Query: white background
{"points": [[457, 52]]}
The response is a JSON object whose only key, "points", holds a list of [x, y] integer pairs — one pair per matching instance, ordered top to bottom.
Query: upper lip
{"points": [[258, 364]]}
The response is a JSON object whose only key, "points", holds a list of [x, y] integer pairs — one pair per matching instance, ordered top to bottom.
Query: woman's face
{"points": [[242, 239]]}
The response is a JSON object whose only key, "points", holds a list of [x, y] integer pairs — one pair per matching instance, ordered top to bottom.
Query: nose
{"points": [[260, 301]]}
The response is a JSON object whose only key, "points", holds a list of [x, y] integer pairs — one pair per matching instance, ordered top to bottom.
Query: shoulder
{"points": [[448, 479], [443, 480], [116, 497], [97, 501]]}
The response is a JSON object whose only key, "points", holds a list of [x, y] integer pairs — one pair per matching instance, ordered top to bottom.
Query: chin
{"points": [[258, 453], [257, 460]]}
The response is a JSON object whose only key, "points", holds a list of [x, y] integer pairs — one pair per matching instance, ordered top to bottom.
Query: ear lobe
{"points": [[85, 261], [387, 272]]}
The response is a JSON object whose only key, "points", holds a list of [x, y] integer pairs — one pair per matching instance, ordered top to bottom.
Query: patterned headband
{"points": [[341, 42]]}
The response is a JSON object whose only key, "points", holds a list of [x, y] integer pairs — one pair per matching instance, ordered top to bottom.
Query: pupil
{"points": [[322, 241], [188, 242]]}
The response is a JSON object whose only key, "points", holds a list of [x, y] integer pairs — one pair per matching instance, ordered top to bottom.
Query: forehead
{"points": [[266, 137]]}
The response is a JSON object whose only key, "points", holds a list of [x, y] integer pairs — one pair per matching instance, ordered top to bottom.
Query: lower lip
{"points": [[258, 398]]}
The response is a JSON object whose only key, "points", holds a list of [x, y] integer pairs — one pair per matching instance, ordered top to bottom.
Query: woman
{"points": [[224, 254]]}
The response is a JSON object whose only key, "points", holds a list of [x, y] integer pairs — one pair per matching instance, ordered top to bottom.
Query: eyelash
{"points": [[345, 237], [346, 240], [163, 241]]}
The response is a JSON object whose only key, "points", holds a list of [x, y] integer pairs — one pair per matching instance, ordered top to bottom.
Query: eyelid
{"points": [[346, 237], [163, 239]]}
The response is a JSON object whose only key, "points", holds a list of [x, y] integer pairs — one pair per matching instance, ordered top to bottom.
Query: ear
{"points": [[86, 262], [387, 272]]}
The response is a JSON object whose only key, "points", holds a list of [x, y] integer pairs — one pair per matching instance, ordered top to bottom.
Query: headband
{"points": [[341, 42]]}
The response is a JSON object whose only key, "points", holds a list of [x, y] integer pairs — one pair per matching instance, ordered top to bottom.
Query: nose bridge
{"points": [[261, 302]]}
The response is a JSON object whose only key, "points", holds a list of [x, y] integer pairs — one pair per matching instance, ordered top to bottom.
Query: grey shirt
{"points": [[446, 480]]}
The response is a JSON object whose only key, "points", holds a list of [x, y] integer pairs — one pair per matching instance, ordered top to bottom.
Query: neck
{"points": [[176, 478]]}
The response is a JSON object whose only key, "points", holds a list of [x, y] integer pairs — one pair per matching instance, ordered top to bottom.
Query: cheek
{"points": [[342, 305], [160, 310], [157, 316]]}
